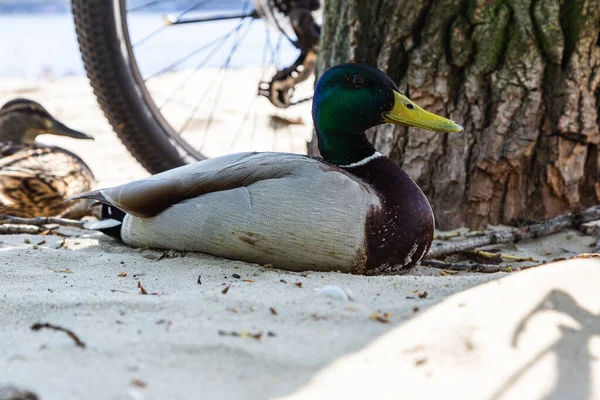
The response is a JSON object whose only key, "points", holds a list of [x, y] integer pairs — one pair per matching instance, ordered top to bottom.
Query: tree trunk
{"points": [[522, 76]]}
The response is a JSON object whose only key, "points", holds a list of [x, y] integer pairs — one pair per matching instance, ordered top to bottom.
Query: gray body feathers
{"points": [[288, 210]]}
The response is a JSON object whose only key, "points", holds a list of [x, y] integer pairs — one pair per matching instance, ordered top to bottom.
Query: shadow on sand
{"points": [[573, 358]]}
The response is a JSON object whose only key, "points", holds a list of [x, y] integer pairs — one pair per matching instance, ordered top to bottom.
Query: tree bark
{"points": [[522, 76]]}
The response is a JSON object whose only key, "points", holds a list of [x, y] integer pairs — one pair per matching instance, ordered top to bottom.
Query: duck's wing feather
{"points": [[36, 180], [150, 196]]}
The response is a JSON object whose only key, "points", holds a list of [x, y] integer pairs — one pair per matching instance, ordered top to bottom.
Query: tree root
{"points": [[516, 234]]}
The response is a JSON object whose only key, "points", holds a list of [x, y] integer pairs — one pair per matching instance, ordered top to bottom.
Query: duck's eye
{"points": [[358, 81], [410, 106]]}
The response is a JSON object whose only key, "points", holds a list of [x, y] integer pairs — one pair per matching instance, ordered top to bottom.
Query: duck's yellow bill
{"points": [[406, 112]]}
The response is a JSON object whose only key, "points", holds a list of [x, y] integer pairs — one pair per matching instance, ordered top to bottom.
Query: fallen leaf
{"points": [[287, 120], [122, 274], [142, 290], [224, 291], [381, 317], [242, 334], [256, 336], [469, 345], [139, 383]]}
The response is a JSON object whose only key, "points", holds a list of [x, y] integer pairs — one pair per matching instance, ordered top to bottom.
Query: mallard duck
{"points": [[35, 179], [353, 211]]}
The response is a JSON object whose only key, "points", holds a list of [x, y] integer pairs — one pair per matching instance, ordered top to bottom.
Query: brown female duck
{"points": [[35, 179]]}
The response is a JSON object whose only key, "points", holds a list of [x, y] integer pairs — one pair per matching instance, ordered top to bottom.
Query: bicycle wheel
{"points": [[178, 80]]}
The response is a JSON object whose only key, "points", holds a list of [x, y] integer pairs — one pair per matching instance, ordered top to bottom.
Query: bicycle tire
{"points": [[110, 67]]}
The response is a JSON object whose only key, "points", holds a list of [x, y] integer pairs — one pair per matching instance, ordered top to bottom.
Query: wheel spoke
{"points": [[144, 6], [194, 7], [175, 21], [167, 23], [281, 30], [148, 36], [205, 46], [275, 59], [202, 63], [225, 64], [265, 66], [197, 78], [220, 90]]}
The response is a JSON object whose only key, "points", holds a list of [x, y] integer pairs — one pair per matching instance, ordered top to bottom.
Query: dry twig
{"points": [[39, 221], [11, 229], [517, 234], [510, 257], [486, 269], [72, 335]]}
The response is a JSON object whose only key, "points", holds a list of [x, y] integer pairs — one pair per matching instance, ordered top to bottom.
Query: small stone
{"points": [[69, 231], [151, 255], [236, 276], [336, 292]]}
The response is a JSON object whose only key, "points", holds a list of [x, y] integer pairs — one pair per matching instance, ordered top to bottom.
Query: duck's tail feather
{"points": [[111, 217]]}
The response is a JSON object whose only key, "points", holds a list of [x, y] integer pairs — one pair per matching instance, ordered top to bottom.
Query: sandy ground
{"points": [[221, 329]]}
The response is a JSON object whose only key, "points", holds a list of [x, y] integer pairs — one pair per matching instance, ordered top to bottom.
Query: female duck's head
{"points": [[351, 98], [22, 120]]}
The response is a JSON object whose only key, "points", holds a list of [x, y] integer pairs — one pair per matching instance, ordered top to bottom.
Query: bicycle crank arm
{"points": [[281, 88]]}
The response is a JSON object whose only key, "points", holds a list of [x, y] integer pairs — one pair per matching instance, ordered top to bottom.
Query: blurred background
{"points": [[203, 77]]}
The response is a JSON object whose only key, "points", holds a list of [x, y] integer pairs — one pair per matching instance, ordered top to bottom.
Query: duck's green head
{"points": [[351, 98], [22, 120]]}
